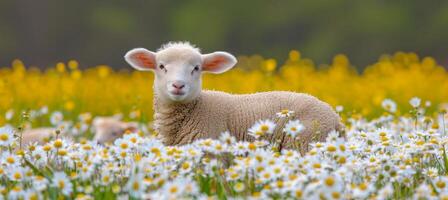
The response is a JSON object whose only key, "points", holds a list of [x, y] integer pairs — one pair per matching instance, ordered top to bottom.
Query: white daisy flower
{"points": [[415, 102], [389, 105], [339, 108], [43, 110], [285, 113], [9, 114], [85, 117], [56, 118], [64, 126], [79, 128], [261, 128], [293, 128], [6, 136], [227, 138], [123, 144], [9, 159], [185, 167], [431, 172], [17, 174], [266, 176], [106, 178], [62, 182], [40, 183], [440, 183], [332, 185], [135, 186], [239, 187], [173, 190], [421, 191], [16, 192], [386, 192], [32, 194]]}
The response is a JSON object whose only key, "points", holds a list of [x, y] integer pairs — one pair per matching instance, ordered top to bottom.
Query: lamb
{"points": [[184, 112], [108, 129]]}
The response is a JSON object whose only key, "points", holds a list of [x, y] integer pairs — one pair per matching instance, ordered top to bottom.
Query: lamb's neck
{"points": [[169, 118]]}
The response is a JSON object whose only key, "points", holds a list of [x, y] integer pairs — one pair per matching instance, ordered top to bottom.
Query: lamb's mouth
{"points": [[177, 93]]}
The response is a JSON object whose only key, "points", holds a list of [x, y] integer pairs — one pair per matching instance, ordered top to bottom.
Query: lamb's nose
{"points": [[178, 85]]}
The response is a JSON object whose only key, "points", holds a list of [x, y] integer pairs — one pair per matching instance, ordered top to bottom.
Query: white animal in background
{"points": [[107, 129], [38, 135], [42, 135]]}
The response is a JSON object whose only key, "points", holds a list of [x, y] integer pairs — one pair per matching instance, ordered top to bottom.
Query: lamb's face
{"points": [[178, 68], [178, 74]]}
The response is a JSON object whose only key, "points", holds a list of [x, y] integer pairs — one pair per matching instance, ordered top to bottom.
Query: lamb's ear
{"points": [[141, 59], [218, 62]]}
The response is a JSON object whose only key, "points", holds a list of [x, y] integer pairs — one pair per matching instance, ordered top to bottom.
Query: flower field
{"points": [[394, 145]]}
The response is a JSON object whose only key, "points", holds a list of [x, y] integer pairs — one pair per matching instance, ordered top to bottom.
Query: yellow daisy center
{"points": [[264, 128], [4, 137], [58, 143], [124, 145], [331, 148], [10, 160], [185, 165], [17, 176], [329, 181], [61, 184], [440, 184], [135, 185], [173, 189]]}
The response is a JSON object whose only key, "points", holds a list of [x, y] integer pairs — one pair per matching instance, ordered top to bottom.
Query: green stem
{"points": [[443, 124]]}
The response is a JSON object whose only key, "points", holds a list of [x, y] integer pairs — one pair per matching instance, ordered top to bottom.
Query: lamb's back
{"points": [[316, 115]]}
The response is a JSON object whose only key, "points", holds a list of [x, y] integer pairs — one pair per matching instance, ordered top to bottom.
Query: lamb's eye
{"points": [[161, 66], [195, 69]]}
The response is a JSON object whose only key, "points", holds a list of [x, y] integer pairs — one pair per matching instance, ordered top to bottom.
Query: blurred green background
{"points": [[42, 32]]}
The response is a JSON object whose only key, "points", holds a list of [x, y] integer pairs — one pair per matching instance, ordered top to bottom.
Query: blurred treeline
{"points": [[42, 32]]}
